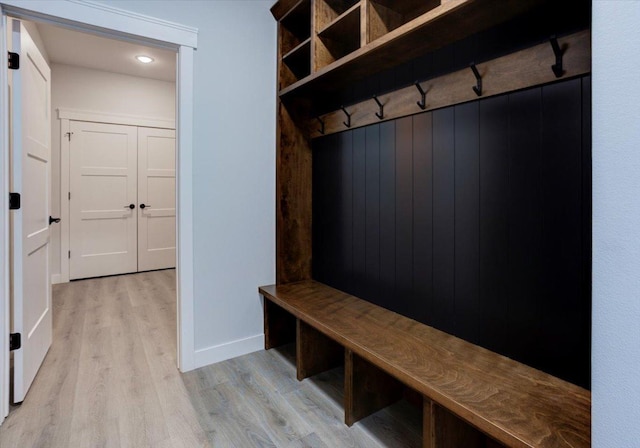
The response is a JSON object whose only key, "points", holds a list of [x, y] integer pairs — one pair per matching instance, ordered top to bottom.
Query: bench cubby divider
{"points": [[315, 352], [367, 389]]}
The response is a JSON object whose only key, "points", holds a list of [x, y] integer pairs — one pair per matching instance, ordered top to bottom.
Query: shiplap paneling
{"points": [[473, 218]]}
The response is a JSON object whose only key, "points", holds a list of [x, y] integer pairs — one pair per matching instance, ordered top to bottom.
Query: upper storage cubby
{"points": [[329, 10], [387, 15], [295, 26], [337, 27], [295, 43], [327, 44]]}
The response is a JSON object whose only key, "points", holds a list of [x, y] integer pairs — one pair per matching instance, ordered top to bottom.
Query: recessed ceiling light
{"points": [[144, 59]]}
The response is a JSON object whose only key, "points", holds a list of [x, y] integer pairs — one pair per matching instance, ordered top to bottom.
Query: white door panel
{"points": [[31, 169], [103, 171], [157, 191]]}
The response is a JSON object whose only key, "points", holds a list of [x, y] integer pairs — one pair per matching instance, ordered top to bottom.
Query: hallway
{"points": [[110, 377]]}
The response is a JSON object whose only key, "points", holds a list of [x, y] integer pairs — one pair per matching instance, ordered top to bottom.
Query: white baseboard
{"points": [[56, 278], [228, 350]]}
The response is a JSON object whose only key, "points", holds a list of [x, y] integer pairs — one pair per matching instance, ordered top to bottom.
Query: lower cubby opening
{"points": [[279, 326], [343, 386], [448, 431]]}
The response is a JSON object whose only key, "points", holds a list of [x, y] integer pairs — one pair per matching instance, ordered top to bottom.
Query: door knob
{"points": [[131, 206], [143, 206], [52, 220]]}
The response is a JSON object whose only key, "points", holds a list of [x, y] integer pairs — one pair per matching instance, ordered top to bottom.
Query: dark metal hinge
{"points": [[14, 61], [14, 201], [69, 254], [15, 341]]}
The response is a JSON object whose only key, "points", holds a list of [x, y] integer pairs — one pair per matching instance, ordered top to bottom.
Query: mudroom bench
{"points": [[471, 396]]}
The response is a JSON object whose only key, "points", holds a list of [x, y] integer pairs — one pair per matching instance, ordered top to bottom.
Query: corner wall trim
{"points": [[228, 350]]}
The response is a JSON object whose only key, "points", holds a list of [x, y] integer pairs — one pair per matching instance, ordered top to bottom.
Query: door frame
{"points": [[110, 22], [65, 117]]}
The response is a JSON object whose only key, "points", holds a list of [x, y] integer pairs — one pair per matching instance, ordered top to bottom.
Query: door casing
{"points": [[118, 23]]}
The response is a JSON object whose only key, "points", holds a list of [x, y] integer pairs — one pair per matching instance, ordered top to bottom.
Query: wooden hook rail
{"points": [[519, 70]]}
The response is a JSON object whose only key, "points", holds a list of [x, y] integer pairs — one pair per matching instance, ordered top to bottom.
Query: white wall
{"points": [[92, 90], [234, 167], [616, 224]]}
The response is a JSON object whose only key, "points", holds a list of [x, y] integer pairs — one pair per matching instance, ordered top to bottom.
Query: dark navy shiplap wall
{"points": [[475, 219]]}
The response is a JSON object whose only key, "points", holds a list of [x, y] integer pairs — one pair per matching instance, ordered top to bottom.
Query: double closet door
{"points": [[122, 199]]}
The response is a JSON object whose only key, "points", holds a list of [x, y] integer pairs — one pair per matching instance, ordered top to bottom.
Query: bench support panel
{"points": [[279, 325], [315, 352], [367, 389], [428, 424], [442, 429]]}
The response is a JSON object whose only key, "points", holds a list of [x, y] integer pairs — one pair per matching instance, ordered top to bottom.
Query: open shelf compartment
{"points": [[327, 11], [385, 16], [295, 26], [339, 37], [298, 60], [336, 65]]}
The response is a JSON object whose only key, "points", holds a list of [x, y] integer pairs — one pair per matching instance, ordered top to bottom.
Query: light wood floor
{"points": [[110, 380]]}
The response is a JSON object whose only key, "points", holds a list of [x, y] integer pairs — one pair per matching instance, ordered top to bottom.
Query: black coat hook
{"points": [[557, 67], [478, 87], [423, 103], [380, 114], [348, 122], [321, 130]]}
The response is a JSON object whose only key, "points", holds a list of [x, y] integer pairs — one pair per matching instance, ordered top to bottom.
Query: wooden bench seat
{"points": [[514, 404]]}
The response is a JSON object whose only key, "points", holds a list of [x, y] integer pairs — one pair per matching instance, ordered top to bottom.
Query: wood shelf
{"points": [[340, 6], [327, 11], [387, 15], [296, 17], [345, 23], [442, 25], [296, 26], [338, 38], [298, 60]]}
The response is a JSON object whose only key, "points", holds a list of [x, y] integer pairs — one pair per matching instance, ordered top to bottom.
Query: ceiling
{"points": [[87, 50]]}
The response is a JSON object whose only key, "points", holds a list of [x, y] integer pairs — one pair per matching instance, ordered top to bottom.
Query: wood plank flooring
{"points": [[110, 380]]}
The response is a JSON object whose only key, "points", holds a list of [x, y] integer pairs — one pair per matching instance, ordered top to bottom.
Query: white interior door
{"points": [[31, 177], [156, 198], [103, 202]]}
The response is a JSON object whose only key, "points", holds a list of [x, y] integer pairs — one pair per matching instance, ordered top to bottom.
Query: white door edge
{"points": [[114, 22], [65, 186], [184, 210], [4, 224], [31, 313]]}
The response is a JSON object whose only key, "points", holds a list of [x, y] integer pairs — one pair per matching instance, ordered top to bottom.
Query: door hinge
{"points": [[14, 61], [69, 195], [14, 201], [69, 254], [15, 341]]}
